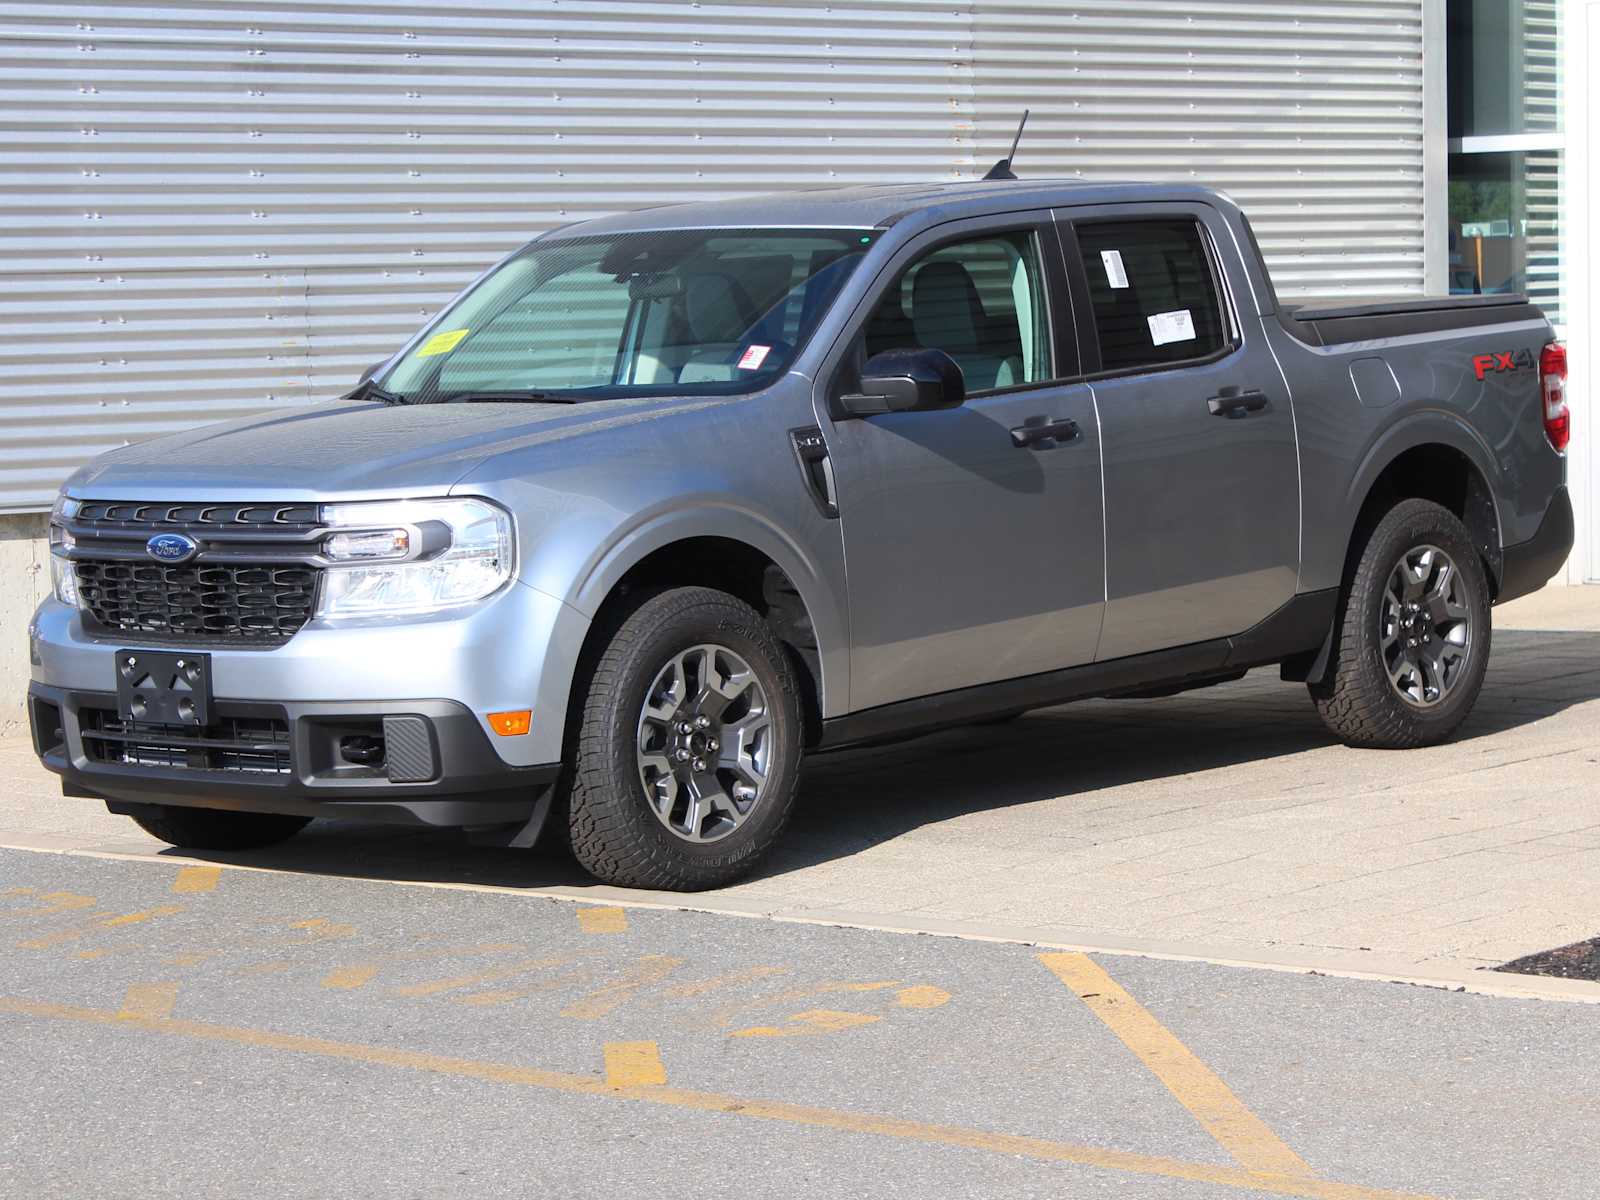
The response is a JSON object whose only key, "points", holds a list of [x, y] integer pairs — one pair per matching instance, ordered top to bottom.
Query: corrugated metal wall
{"points": [[1310, 114], [210, 209]]}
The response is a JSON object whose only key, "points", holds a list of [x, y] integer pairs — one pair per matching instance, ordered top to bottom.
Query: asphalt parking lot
{"points": [[1014, 961], [183, 1031]]}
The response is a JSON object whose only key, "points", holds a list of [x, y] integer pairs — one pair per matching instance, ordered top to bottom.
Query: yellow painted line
{"points": [[196, 879], [56, 902], [603, 920], [62, 936], [346, 978], [433, 987], [699, 987], [922, 995], [149, 1000], [604, 1001], [817, 1020], [634, 1064], [1222, 1114], [1038, 1149]]}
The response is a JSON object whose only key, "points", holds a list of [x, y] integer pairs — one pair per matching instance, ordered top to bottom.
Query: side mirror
{"points": [[372, 370], [907, 381]]}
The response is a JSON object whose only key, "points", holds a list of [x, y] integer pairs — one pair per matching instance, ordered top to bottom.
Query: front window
{"points": [[673, 312]]}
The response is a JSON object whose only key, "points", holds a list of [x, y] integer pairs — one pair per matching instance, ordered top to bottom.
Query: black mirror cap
{"points": [[372, 370], [907, 381]]}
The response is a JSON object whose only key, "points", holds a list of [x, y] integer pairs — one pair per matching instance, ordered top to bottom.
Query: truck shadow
{"points": [[1084, 768]]}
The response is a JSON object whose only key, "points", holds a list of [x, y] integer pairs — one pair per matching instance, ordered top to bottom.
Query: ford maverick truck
{"points": [[665, 501]]}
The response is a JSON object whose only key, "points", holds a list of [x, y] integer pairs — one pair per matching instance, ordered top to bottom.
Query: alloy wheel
{"points": [[1425, 626], [704, 741]]}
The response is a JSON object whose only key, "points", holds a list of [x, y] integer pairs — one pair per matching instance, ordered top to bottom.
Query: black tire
{"points": [[1356, 699], [217, 829], [613, 831]]}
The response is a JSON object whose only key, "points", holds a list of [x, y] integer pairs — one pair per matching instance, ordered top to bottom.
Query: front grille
{"points": [[155, 517], [253, 581], [199, 601], [258, 745]]}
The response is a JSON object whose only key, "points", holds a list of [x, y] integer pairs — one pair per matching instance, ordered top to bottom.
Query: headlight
{"points": [[395, 557], [63, 579]]}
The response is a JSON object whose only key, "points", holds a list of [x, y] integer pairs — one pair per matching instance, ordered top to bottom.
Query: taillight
{"points": [[1553, 388]]}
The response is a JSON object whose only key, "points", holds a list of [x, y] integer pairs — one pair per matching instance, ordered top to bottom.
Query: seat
{"points": [[947, 314]]}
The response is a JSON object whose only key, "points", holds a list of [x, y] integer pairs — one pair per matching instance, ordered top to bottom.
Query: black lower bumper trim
{"points": [[1529, 565], [471, 785]]}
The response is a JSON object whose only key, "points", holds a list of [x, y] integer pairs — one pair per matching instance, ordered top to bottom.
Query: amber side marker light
{"points": [[511, 724]]}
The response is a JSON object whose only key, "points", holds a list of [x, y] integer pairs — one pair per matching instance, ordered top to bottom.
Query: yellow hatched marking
{"points": [[191, 880], [603, 920], [922, 995], [149, 1000], [602, 1002], [806, 1024], [634, 1064], [723, 1104], [1222, 1114]]}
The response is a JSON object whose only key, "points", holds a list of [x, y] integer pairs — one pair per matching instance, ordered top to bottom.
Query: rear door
{"points": [[1202, 487], [973, 546]]}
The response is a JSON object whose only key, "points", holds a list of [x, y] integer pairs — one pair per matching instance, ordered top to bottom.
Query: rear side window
{"points": [[1154, 298]]}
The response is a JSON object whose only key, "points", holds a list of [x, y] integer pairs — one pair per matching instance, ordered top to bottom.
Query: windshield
{"points": [[692, 312]]}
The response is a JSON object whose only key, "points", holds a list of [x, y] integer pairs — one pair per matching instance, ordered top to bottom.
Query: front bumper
{"points": [[517, 650], [439, 768]]}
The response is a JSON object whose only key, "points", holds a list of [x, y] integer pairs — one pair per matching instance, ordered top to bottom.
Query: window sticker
{"points": [[1116, 274], [1171, 327], [442, 343], [753, 357]]}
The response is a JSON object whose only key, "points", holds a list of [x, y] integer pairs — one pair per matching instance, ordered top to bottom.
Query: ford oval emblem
{"points": [[171, 548]]}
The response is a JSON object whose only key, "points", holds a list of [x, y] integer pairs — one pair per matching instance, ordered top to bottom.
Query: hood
{"points": [[344, 448]]}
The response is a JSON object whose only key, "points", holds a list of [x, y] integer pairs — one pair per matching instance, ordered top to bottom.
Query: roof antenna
{"points": [[1002, 169]]}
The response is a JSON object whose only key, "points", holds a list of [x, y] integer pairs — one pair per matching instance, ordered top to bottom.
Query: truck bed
{"points": [[1337, 321]]}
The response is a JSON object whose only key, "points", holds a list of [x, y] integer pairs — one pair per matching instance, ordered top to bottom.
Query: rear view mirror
{"points": [[654, 287], [907, 381]]}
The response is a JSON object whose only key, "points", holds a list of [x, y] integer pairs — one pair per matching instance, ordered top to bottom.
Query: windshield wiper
{"points": [[367, 389], [530, 397]]}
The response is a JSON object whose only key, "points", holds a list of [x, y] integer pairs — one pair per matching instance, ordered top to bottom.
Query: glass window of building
{"points": [[1505, 131]]}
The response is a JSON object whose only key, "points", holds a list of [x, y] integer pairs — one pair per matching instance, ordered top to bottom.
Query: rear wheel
{"points": [[1412, 641], [687, 751], [216, 829]]}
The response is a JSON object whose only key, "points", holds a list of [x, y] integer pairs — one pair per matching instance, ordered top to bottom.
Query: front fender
{"points": [[630, 545]]}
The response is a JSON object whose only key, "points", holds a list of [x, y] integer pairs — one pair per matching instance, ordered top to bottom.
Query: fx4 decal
{"points": [[1511, 360]]}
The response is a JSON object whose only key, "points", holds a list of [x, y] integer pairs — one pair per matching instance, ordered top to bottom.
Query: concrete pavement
{"points": [[1222, 824]]}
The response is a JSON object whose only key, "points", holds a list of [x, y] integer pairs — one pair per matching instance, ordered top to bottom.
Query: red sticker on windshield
{"points": [[752, 358]]}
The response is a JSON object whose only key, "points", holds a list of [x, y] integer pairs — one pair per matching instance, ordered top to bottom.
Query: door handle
{"points": [[1235, 402], [1029, 434]]}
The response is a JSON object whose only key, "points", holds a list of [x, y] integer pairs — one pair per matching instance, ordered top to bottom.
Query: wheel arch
{"points": [[1439, 459], [736, 553]]}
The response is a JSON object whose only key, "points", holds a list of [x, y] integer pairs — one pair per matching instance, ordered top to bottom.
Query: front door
{"points": [[1202, 478], [970, 557]]}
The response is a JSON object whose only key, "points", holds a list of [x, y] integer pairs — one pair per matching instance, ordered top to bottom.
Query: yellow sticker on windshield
{"points": [[442, 343]]}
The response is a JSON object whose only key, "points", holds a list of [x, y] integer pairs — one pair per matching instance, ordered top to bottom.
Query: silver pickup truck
{"points": [[664, 501]]}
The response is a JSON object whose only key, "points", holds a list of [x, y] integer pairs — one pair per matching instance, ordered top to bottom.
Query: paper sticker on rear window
{"points": [[1116, 274], [1171, 327], [442, 343], [753, 357]]}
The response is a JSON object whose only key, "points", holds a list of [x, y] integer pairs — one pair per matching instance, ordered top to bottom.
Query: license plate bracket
{"points": [[164, 688]]}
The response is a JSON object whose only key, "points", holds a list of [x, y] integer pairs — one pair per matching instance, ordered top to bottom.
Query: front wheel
{"points": [[1411, 644], [687, 750]]}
